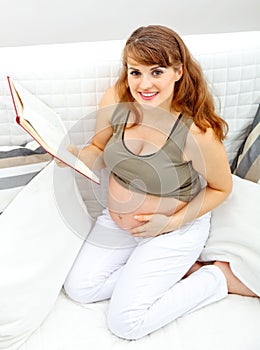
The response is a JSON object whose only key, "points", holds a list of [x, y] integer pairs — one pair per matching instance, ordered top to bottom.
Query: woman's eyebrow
{"points": [[132, 68], [152, 68]]}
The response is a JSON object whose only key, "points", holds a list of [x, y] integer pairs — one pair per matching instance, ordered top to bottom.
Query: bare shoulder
{"points": [[109, 98], [106, 108], [103, 128], [203, 138], [198, 142], [208, 156]]}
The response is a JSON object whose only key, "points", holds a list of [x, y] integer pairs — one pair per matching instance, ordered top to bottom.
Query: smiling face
{"points": [[152, 84]]}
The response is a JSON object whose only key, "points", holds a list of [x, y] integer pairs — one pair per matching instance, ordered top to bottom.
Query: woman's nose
{"points": [[146, 82]]}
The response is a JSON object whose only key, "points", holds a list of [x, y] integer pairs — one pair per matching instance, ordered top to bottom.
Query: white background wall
{"points": [[26, 22]]}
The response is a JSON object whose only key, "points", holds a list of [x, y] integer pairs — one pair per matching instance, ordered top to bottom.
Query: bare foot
{"points": [[194, 268], [235, 286]]}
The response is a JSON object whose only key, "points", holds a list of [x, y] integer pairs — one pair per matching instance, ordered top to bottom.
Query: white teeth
{"points": [[148, 94]]}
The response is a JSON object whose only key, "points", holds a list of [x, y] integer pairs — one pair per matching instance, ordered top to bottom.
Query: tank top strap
{"points": [[119, 117], [181, 130]]}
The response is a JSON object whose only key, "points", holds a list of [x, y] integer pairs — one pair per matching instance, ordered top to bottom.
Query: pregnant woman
{"points": [[158, 134]]}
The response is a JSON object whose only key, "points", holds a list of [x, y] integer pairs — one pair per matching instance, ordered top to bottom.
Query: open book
{"points": [[46, 127]]}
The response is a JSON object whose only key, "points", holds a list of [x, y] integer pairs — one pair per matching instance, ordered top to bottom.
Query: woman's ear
{"points": [[179, 72]]}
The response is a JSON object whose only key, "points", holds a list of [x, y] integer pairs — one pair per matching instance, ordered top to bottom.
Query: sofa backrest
{"points": [[71, 79]]}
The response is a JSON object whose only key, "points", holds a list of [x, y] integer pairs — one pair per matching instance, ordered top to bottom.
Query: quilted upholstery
{"points": [[72, 77]]}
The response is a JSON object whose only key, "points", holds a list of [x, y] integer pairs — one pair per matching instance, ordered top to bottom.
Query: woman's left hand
{"points": [[152, 225]]}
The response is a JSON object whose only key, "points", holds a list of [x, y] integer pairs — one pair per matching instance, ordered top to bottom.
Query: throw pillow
{"points": [[247, 163], [18, 165], [234, 235], [39, 242]]}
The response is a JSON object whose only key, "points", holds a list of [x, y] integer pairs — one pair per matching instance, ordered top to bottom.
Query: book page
{"points": [[43, 119], [46, 127]]}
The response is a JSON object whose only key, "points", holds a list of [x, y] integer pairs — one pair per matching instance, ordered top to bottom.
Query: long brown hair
{"points": [[156, 44]]}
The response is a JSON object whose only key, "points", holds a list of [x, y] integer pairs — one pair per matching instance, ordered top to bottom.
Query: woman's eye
{"points": [[157, 72], [135, 73]]}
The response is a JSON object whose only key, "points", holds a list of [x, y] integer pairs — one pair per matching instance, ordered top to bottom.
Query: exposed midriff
{"points": [[124, 204]]}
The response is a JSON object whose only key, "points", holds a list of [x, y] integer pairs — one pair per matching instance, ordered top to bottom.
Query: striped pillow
{"points": [[247, 162], [18, 165]]}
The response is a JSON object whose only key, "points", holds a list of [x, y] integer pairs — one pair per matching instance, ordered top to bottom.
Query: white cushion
{"points": [[42, 231], [234, 235], [230, 324]]}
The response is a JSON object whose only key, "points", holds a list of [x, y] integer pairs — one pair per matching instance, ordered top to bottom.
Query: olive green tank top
{"points": [[163, 173]]}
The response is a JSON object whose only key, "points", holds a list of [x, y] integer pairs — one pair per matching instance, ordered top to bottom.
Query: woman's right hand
{"points": [[72, 149]]}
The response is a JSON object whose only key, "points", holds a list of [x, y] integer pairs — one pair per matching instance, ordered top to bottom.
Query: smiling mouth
{"points": [[148, 95]]}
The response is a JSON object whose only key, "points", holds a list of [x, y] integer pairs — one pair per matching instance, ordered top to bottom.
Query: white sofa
{"points": [[44, 223]]}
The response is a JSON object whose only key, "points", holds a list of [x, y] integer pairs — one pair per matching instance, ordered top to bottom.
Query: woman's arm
{"points": [[91, 154], [209, 158]]}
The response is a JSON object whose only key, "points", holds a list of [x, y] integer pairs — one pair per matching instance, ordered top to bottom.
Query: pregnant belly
{"points": [[124, 204]]}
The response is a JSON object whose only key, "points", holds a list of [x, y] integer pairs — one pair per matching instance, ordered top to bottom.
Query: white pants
{"points": [[143, 277]]}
